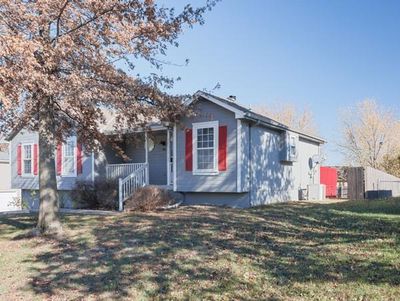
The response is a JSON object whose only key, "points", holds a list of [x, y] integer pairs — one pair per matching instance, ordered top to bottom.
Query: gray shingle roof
{"points": [[248, 114]]}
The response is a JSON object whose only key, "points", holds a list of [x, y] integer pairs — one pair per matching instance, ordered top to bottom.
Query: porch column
{"points": [[146, 152], [168, 157], [174, 181]]}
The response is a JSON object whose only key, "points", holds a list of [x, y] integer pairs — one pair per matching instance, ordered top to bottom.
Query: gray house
{"points": [[224, 155]]}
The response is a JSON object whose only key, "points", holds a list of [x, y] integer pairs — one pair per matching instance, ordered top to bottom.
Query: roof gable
{"points": [[244, 113]]}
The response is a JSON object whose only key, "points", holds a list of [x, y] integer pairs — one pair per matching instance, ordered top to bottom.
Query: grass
{"points": [[294, 251]]}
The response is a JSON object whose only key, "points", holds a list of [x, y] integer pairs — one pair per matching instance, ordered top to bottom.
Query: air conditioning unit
{"points": [[289, 147]]}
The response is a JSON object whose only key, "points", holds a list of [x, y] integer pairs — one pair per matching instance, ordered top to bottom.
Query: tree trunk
{"points": [[48, 221]]}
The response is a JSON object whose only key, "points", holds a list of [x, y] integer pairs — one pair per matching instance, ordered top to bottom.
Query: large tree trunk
{"points": [[49, 221]]}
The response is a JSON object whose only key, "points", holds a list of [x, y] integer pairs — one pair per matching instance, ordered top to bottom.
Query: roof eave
{"points": [[280, 127]]}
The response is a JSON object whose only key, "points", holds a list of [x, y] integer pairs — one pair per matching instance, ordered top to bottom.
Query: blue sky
{"points": [[324, 55]]}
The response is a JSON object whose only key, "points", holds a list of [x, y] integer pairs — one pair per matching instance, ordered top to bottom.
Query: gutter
{"points": [[282, 129]]}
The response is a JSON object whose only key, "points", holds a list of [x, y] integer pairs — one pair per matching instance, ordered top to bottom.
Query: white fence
{"points": [[115, 171], [131, 183], [10, 200]]}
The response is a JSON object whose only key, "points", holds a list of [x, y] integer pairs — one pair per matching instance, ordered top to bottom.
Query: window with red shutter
{"points": [[222, 147], [205, 148], [189, 150], [79, 158], [19, 159], [27, 159], [35, 159], [59, 159]]}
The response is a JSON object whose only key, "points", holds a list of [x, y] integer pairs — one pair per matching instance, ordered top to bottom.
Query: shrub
{"points": [[102, 195], [149, 198]]}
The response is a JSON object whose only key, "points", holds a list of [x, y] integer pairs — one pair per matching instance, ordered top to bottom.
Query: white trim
{"points": [[238, 113], [201, 125], [174, 138], [146, 149], [239, 155], [168, 157], [92, 168], [75, 173], [23, 174]]}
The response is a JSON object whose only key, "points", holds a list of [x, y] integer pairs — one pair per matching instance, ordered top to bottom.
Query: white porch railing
{"points": [[115, 171], [128, 185]]}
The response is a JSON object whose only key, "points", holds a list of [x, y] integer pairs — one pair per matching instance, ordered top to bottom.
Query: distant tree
{"points": [[58, 70], [288, 114], [369, 134], [391, 163]]}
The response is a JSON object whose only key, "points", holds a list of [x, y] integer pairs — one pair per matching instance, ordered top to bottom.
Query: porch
{"points": [[150, 162]]}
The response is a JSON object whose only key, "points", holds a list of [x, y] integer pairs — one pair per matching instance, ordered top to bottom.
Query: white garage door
{"points": [[10, 200]]}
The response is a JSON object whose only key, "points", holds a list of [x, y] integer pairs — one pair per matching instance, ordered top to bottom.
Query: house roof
{"points": [[245, 113], [108, 127]]}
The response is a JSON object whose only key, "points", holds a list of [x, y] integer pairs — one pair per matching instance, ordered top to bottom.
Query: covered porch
{"points": [[150, 161]]}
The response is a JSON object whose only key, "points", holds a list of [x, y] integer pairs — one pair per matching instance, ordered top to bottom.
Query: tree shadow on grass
{"points": [[17, 222], [208, 251]]}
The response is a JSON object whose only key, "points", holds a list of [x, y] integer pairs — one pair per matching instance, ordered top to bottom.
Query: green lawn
{"points": [[294, 251]]}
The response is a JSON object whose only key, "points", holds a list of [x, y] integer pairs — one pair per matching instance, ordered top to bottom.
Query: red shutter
{"points": [[222, 145], [189, 150], [79, 158], [35, 159], [59, 159], [19, 162]]}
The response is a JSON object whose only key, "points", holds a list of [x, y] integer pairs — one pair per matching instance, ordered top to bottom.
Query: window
{"points": [[205, 137], [293, 146], [27, 155], [68, 158]]}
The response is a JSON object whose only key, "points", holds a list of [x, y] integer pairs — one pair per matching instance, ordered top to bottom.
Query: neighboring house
{"points": [[225, 155], [5, 171], [9, 199]]}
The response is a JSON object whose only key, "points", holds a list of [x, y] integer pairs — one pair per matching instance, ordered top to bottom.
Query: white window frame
{"points": [[202, 125], [23, 160], [63, 173]]}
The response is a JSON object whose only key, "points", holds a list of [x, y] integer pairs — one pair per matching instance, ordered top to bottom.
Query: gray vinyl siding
{"points": [[245, 169], [305, 174], [270, 179], [224, 181], [32, 182], [235, 200]]}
